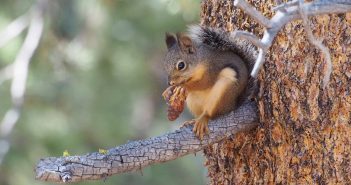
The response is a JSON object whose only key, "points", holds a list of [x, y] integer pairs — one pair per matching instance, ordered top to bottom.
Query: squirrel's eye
{"points": [[180, 65]]}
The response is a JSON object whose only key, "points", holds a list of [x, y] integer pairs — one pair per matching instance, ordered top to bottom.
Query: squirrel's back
{"points": [[218, 39]]}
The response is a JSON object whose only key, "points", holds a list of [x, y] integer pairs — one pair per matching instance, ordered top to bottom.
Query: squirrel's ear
{"points": [[171, 40], [185, 43]]}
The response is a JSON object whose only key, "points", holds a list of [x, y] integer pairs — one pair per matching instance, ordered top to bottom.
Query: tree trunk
{"points": [[305, 131]]}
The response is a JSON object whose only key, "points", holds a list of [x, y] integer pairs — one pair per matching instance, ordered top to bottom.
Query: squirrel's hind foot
{"points": [[201, 127]]}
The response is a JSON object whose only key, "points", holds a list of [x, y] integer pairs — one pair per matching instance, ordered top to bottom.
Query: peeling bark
{"points": [[305, 136], [138, 154]]}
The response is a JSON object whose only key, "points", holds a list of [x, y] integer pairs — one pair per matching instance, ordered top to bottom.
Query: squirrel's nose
{"points": [[170, 82]]}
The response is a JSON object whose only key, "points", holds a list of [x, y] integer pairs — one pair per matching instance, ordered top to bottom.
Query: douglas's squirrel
{"points": [[213, 69]]}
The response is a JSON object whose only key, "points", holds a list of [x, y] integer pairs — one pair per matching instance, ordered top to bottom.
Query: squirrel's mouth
{"points": [[180, 81], [184, 81]]}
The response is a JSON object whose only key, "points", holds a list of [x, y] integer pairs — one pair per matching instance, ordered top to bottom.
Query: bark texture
{"points": [[305, 131], [138, 154]]}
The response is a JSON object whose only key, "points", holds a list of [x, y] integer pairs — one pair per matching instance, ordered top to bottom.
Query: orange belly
{"points": [[217, 99]]}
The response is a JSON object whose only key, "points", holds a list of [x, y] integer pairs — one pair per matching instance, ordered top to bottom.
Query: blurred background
{"points": [[95, 81]]}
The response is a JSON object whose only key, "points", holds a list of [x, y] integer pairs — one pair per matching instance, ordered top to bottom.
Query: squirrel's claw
{"points": [[187, 123], [201, 127]]}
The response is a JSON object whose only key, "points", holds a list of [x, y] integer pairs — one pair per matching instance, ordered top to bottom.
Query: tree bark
{"points": [[305, 131]]}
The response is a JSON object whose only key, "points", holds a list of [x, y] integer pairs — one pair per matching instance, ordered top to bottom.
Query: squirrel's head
{"points": [[181, 59]]}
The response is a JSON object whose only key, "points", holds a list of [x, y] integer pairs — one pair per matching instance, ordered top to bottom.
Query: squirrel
{"points": [[213, 69]]}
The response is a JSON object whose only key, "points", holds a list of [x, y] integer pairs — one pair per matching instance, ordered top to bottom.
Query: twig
{"points": [[282, 7], [291, 12], [253, 13], [14, 29], [250, 37], [318, 43], [23, 58], [20, 71], [135, 155]]}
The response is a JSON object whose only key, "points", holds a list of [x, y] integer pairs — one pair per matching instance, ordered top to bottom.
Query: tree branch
{"points": [[287, 12], [14, 29], [250, 37], [318, 43], [18, 71], [138, 154]]}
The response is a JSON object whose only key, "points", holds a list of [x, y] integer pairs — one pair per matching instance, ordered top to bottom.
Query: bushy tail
{"points": [[220, 40]]}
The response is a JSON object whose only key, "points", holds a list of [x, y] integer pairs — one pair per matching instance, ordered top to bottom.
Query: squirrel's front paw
{"points": [[201, 127]]}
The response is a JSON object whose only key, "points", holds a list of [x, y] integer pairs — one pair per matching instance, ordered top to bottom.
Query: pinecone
{"points": [[175, 97]]}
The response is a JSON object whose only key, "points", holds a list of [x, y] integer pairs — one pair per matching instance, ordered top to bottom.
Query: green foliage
{"points": [[95, 82]]}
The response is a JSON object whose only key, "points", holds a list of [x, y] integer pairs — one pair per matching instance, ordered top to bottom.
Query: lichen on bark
{"points": [[305, 131]]}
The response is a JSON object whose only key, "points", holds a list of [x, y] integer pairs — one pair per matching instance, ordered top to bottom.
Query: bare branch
{"points": [[282, 7], [291, 12], [253, 13], [14, 29], [250, 37], [318, 43], [23, 58], [259, 62], [20, 71], [137, 154]]}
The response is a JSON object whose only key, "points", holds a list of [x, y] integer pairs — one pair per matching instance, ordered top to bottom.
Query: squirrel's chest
{"points": [[196, 101]]}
